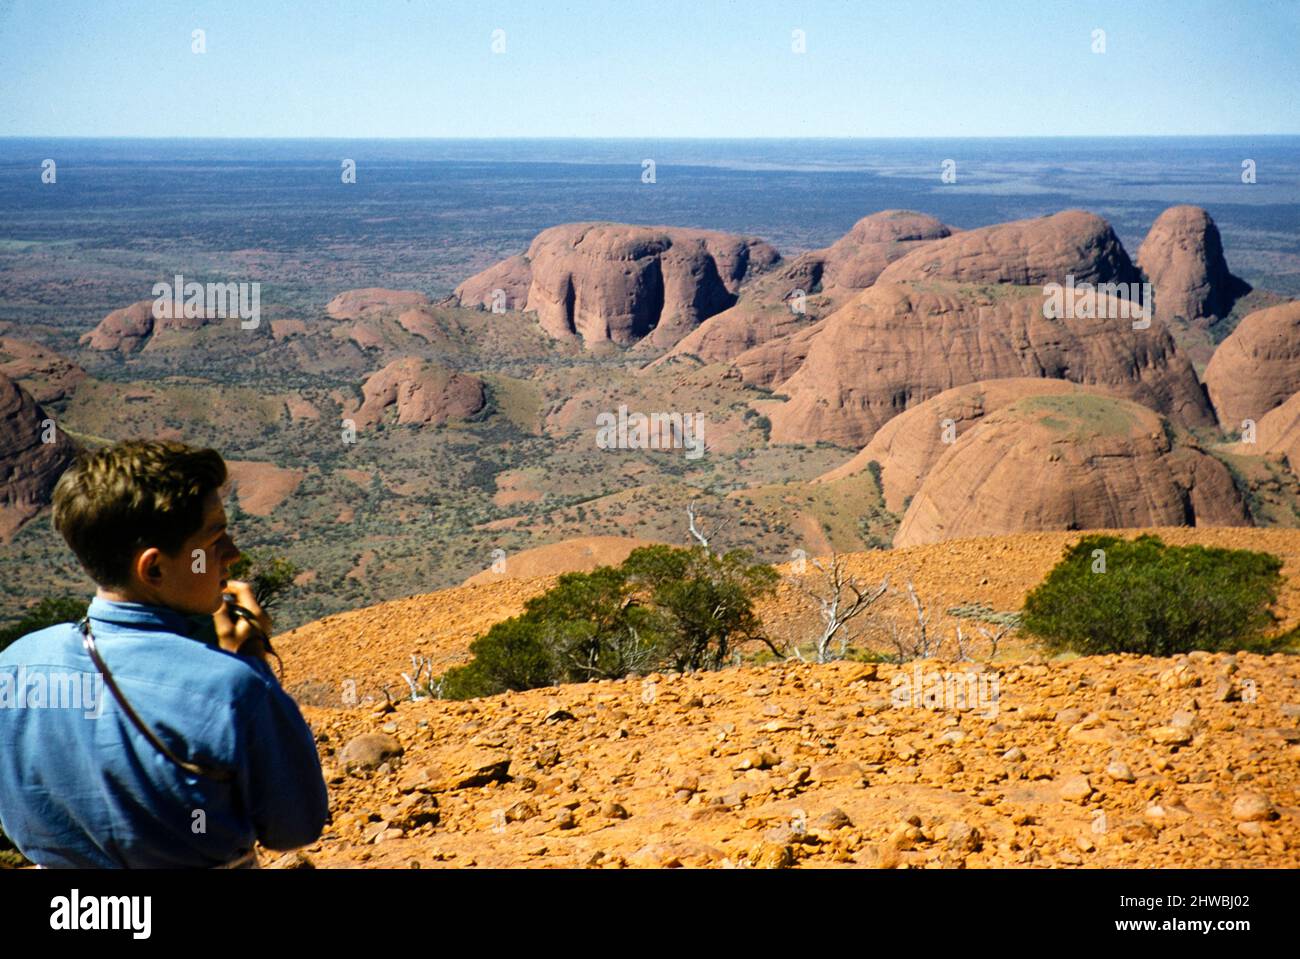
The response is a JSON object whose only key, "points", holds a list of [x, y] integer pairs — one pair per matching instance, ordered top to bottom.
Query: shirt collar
{"points": [[143, 616]]}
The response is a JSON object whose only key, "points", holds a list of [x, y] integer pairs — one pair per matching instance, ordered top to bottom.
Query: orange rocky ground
{"points": [[1098, 761]]}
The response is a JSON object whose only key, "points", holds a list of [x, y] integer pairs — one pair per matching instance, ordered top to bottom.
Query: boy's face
{"points": [[192, 580]]}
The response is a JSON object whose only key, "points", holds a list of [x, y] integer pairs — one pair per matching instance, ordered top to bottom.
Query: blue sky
{"points": [[702, 68]]}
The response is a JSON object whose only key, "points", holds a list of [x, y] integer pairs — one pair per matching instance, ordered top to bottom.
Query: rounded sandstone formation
{"points": [[1023, 252], [1182, 256], [856, 260], [620, 283], [504, 285], [354, 304], [772, 307], [133, 327], [126, 330], [895, 346], [778, 359], [1257, 367], [46, 375], [424, 393], [1277, 434], [911, 443], [34, 452], [1064, 462], [580, 554]]}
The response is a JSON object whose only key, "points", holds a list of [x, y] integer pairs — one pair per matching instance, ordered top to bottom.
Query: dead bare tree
{"points": [[699, 535], [835, 605], [1001, 623], [996, 637], [918, 645], [963, 654], [420, 664]]}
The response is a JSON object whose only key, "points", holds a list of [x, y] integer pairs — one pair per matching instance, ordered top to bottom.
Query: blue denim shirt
{"points": [[81, 787]]}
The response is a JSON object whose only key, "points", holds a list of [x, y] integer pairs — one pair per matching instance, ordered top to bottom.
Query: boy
{"points": [[81, 782]]}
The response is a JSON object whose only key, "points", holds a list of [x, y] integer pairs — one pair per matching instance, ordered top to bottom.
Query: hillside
{"points": [[373, 646], [1101, 761]]}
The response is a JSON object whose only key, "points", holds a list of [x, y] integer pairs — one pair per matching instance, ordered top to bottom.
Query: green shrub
{"points": [[874, 469], [268, 575], [1155, 600], [706, 601], [663, 608], [48, 612], [511, 655], [10, 857]]}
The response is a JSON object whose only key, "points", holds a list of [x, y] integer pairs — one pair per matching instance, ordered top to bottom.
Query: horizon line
{"points": [[1018, 136]]}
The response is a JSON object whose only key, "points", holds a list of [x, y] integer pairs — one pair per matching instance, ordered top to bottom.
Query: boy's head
{"points": [[146, 521]]}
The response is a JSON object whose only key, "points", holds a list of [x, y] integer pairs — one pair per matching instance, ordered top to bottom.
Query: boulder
{"points": [[369, 751], [457, 768]]}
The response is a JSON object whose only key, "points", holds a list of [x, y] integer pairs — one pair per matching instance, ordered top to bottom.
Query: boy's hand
{"points": [[234, 633]]}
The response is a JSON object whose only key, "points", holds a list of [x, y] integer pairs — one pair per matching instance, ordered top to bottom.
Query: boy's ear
{"points": [[147, 566]]}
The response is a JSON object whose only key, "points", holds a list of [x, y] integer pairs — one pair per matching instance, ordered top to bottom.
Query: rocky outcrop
{"points": [[1023, 252], [1182, 256], [856, 260], [505, 283], [619, 283], [355, 304], [772, 307], [750, 324], [133, 327], [125, 330], [895, 346], [778, 359], [1257, 367], [46, 375], [424, 394], [1278, 433], [911, 443], [1073, 461], [29, 466]]}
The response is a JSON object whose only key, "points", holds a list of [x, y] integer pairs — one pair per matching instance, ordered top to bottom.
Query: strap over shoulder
{"points": [[88, 640]]}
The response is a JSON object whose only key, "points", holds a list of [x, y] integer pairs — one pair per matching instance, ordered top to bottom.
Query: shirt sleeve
{"points": [[280, 779]]}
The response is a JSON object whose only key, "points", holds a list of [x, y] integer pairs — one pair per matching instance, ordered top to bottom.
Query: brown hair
{"points": [[118, 500]]}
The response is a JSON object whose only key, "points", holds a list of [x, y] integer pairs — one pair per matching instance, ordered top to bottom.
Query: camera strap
{"points": [[234, 609], [220, 775]]}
